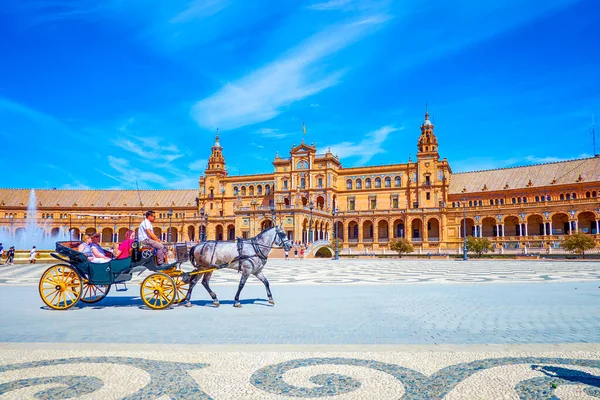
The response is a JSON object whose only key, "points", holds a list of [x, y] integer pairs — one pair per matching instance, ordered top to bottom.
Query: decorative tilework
{"points": [[168, 379], [419, 386]]}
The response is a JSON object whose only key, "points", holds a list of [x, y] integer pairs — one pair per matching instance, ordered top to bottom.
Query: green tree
{"points": [[578, 243], [340, 245], [401, 245], [479, 245]]}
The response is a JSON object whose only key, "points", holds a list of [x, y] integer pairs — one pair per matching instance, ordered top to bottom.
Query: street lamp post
{"points": [[334, 213], [170, 214], [273, 214], [202, 224], [310, 231], [465, 257]]}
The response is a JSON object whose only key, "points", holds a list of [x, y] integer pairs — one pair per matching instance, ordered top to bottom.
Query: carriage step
{"points": [[123, 289]]}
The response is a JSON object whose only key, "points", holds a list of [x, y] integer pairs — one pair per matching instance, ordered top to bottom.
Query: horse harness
{"points": [[240, 246]]}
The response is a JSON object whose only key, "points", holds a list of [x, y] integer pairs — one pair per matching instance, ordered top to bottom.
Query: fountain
{"points": [[33, 234]]}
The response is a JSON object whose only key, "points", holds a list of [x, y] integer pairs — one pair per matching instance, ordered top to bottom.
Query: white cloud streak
{"points": [[329, 5], [262, 94], [371, 145]]}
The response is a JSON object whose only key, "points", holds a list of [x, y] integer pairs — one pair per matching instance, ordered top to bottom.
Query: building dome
{"points": [[427, 122], [217, 145]]}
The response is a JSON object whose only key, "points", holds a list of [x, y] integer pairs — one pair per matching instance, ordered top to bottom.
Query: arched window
{"points": [[397, 181], [377, 182], [388, 182], [285, 183], [302, 183], [359, 183], [368, 183], [349, 184], [243, 190], [259, 190], [268, 190], [236, 191], [251, 191], [594, 193], [574, 195], [588, 195], [562, 196], [568, 196], [524, 199], [537, 199], [502, 201], [514, 201], [491, 202], [470, 203]]}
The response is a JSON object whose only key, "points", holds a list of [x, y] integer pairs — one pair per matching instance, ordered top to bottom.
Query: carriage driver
{"points": [[147, 237]]}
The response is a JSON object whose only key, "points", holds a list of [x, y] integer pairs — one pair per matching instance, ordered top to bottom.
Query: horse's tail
{"points": [[192, 258]]}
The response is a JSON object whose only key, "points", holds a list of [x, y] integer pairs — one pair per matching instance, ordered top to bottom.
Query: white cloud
{"points": [[329, 5], [199, 9], [261, 95], [271, 133], [366, 148], [544, 160], [198, 165]]}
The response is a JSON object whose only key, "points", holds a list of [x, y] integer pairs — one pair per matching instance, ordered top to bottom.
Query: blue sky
{"points": [[101, 93]]}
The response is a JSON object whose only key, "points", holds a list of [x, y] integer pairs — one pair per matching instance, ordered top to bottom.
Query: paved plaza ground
{"points": [[352, 329]]}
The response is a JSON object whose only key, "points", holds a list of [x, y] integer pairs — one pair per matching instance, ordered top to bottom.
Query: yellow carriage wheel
{"points": [[60, 287], [181, 289], [158, 291], [93, 293]]}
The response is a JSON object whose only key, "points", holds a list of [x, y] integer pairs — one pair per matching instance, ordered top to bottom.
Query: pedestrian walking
{"points": [[1, 251], [296, 253], [302, 253], [10, 255], [33, 255], [287, 255]]}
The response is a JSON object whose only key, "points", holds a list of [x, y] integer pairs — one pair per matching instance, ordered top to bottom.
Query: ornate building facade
{"points": [[316, 199]]}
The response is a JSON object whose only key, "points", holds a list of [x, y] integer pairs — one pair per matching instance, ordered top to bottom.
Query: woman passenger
{"points": [[86, 247], [124, 249], [97, 250]]}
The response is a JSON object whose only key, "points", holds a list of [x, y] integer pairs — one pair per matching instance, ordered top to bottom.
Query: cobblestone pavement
{"points": [[377, 271], [347, 330]]}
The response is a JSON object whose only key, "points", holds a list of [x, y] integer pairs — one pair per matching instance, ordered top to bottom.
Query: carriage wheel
{"points": [[60, 287], [181, 289], [158, 291], [93, 293]]}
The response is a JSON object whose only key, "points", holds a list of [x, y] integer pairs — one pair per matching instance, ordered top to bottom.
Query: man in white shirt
{"points": [[147, 237]]}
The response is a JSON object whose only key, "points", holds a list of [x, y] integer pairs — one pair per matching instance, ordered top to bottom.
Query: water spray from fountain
{"points": [[33, 234]]}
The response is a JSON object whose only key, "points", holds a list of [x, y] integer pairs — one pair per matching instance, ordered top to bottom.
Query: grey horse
{"points": [[248, 257]]}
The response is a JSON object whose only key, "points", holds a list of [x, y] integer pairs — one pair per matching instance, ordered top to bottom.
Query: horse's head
{"points": [[281, 239]]}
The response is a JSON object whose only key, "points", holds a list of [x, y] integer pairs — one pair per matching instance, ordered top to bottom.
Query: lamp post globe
{"points": [[170, 214], [465, 257]]}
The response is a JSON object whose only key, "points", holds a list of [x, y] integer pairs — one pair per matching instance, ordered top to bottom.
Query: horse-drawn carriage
{"points": [[77, 279]]}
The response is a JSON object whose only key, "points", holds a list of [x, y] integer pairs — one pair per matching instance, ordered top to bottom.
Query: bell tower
{"points": [[428, 144], [216, 161]]}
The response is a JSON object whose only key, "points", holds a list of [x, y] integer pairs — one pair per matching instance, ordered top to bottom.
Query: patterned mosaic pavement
{"points": [[378, 271], [361, 329], [186, 373]]}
